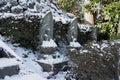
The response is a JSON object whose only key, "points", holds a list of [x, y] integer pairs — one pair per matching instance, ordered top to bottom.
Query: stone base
{"points": [[48, 50], [61, 66], [8, 69]]}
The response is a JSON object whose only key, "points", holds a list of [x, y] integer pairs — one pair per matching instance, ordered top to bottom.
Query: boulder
{"points": [[8, 67]]}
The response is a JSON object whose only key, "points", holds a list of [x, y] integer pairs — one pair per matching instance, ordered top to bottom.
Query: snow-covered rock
{"points": [[41, 6], [17, 9], [8, 49]]}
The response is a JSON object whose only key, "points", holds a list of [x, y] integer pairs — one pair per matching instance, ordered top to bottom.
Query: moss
{"points": [[21, 31], [95, 64]]}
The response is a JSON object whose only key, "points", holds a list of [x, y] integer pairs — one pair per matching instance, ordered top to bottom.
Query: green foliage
{"points": [[66, 4], [91, 6], [110, 15]]}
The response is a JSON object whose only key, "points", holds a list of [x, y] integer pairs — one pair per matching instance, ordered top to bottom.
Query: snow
{"points": [[43, 7], [84, 28], [50, 43], [74, 44], [95, 45], [104, 45], [8, 49], [84, 51], [50, 60], [5, 62], [29, 68], [28, 77]]}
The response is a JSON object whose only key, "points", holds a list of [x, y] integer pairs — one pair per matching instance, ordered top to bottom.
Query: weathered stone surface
{"points": [[38, 1], [3, 2], [14, 2], [31, 4], [5, 9], [17, 9], [73, 30], [46, 32], [61, 33], [47, 50], [2, 53], [8, 67], [46, 67], [54, 67], [9, 71]]}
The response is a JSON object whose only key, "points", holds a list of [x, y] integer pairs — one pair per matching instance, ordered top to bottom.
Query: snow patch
{"points": [[50, 43], [74, 44], [8, 49], [6, 62], [28, 77]]}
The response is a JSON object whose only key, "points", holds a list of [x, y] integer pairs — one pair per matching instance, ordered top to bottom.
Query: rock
{"points": [[38, 1], [3, 2], [13, 2], [31, 4], [6, 8], [17, 9], [73, 30], [46, 32], [47, 50], [56, 67], [8, 69]]}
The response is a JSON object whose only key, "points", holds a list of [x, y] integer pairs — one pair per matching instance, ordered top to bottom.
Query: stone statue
{"points": [[47, 27], [73, 30]]}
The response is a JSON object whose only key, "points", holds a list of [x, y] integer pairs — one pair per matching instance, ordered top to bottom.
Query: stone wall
{"points": [[21, 31]]}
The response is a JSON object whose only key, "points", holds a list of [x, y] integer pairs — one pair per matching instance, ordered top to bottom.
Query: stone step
{"points": [[8, 66], [55, 67]]}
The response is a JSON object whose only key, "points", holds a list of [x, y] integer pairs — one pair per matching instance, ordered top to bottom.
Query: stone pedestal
{"points": [[47, 50], [8, 67], [55, 67]]}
